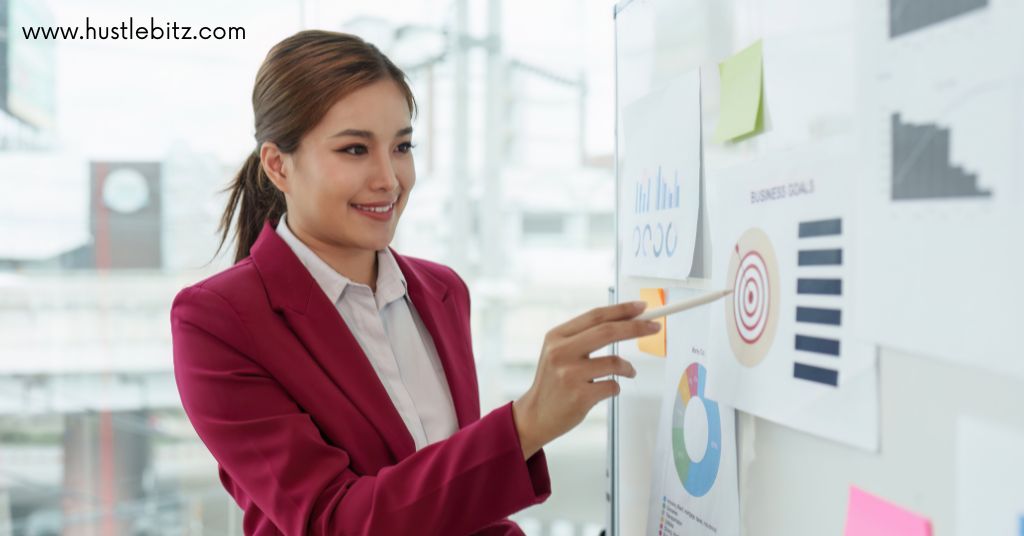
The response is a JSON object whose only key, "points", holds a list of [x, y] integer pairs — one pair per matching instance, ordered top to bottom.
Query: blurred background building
{"points": [[113, 155]]}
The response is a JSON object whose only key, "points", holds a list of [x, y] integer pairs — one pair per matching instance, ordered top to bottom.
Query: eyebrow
{"points": [[369, 135]]}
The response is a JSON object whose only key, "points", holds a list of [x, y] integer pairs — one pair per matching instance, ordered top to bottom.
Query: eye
{"points": [[405, 147], [354, 150]]}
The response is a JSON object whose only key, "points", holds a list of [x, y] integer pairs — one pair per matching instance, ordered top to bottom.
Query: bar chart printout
{"points": [[906, 16], [921, 167], [659, 180], [656, 193], [783, 341]]}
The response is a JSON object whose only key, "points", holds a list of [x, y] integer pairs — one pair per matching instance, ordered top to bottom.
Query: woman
{"points": [[333, 379]]}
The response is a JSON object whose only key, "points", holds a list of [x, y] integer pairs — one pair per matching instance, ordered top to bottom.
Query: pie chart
{"points": [[696, 433]]}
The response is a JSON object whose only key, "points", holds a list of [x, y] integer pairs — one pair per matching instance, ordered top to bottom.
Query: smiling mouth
{"points": [[378, 209]]}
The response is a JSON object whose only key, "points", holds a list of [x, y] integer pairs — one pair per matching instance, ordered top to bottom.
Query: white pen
{"points": [[666, 310]]}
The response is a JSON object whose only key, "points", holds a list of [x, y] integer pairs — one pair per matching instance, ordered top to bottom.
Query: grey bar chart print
{"points": [[905, 16], [921, 167]]}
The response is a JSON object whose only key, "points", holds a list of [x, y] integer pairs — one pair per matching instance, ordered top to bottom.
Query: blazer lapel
{"points": [[432, 300], [314, 319]]}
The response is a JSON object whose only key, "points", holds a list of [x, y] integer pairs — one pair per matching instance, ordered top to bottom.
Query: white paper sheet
{"points": [[659, 188], [942, 194], [783, 239], [990, 478], [694, 487]]}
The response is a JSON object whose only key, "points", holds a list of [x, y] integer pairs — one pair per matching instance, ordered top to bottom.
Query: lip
{"points": [[377, 203]]}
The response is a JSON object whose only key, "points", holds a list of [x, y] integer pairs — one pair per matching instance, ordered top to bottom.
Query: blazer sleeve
{"points": [[276, 455]]}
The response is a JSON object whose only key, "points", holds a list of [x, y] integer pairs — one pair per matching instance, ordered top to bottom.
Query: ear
{"points": [[273, 162]]}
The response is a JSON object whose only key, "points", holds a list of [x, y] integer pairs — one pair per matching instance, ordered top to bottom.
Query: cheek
{"points": [[406, 175], [339, 184]]}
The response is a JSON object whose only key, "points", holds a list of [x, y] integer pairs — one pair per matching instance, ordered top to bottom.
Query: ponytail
{"points": [[256, 199]]}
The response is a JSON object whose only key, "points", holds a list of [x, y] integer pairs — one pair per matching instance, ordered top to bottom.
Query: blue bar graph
{"points": [[654, 193], [821, 228], [819, 315], [819, 345], [811, 373]]}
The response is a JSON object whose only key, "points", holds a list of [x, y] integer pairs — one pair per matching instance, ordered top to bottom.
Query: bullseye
{"points": [[751, 282], [752, 312]]}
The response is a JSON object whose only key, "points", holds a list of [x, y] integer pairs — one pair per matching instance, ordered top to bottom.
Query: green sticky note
{"points": [[740, 106]]}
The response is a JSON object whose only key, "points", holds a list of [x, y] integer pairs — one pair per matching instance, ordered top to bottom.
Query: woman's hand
{"points": [[564, 389]]}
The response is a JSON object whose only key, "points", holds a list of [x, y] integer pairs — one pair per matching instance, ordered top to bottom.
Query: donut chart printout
{"points": [[659, 186], [783, 240], [697, 472], [694, 488]]}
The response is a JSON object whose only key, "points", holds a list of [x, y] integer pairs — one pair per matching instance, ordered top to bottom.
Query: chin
{"points": [[378, 245]]}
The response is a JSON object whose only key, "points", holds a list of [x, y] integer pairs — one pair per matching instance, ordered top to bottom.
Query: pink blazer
{"points": [[307, 440]]}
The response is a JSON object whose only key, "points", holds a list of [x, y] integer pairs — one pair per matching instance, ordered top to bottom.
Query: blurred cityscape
{"points": [[113, 155]]}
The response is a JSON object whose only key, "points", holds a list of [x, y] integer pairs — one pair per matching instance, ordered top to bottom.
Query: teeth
{"points": [[375, 209]]}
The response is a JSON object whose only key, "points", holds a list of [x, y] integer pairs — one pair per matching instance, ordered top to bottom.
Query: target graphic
{"points": [[751, 297], [752, 312]]}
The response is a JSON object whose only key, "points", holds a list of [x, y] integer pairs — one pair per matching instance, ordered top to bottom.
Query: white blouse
{"points": [[392, 336]]}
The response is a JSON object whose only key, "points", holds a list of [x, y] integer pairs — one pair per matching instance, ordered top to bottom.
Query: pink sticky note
{"points": [[868, 515]]}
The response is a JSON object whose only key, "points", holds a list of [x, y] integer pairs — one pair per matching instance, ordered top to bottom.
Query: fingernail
{"points": [[639, 305], [652, 325]]}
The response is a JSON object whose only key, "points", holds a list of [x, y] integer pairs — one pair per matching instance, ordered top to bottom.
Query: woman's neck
{"points": [[359, 265]]}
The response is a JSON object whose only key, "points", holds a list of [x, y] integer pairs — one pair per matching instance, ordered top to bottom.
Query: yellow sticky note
{"points": [[741, 94], [653, 344]]}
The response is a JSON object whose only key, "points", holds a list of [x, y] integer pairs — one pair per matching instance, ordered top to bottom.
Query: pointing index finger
{"points": [[598, 315]]}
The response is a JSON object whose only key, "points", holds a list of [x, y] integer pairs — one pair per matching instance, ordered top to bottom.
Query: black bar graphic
{"points": [[906, 16], [921, 168], [821, 228], [820, 257], [819, 286], [817, 315], [817, 345], [816, 374]]}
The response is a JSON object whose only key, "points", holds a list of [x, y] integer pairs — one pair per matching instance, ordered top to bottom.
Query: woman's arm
{"points": [[275, 454]]}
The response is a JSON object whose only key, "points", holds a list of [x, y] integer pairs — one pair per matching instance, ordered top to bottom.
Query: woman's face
{"points": [[350, 178]]}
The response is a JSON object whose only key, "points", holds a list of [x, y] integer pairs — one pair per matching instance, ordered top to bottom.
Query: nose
{"points": [[383, 176]]}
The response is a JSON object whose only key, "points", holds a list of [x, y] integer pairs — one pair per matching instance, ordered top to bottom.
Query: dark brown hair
{"points": [[299, 80]]}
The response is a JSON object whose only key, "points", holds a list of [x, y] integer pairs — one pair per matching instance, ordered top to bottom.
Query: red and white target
{"points": [[752, 297], [752, 312]]}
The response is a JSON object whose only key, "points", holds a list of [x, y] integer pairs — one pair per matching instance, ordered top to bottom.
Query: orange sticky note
{"points": [[653, 344], [868, 515]]}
